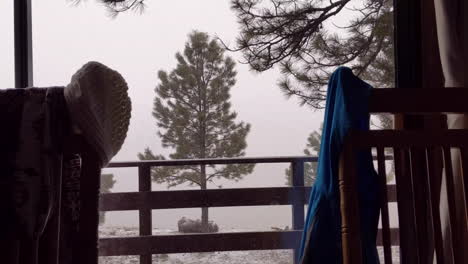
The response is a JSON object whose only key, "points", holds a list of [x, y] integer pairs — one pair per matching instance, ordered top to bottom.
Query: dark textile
{"points": [[11, 103], [346, 109], [39, 184], [70, 209]]}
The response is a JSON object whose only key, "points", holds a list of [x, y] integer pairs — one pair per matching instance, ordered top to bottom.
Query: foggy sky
{"points": [[65, 37]]}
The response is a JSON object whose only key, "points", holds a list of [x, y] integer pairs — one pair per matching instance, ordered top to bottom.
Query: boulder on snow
{"points": [[186, 225]]}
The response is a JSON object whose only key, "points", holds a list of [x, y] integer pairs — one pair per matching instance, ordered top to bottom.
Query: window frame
{"points": [[23, 44]]}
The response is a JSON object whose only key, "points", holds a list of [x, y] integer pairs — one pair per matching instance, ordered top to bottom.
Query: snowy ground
{"points": [[232, 257]]}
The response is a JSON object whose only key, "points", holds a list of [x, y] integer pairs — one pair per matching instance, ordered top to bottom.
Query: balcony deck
{"points": [[146, 200]]}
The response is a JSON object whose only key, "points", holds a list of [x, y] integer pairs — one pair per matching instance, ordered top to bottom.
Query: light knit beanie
{"points": [[99, 106]]}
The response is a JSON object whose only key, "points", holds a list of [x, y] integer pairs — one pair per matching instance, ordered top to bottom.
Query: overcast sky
{"points": [[66, 36]]}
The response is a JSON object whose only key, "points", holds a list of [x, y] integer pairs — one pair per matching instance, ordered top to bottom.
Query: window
{"points": [[65, 37]]}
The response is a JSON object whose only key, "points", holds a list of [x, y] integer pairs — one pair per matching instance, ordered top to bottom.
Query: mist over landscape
{"points": [[65, 36]]}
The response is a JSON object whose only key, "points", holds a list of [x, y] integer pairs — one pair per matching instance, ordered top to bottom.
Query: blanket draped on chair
{"points": [[346, 109], [39, 178]]}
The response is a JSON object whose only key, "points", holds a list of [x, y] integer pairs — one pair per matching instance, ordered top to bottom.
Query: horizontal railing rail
{"points": [[214, 161], [209, 198], [146, 200], [169, 244]]}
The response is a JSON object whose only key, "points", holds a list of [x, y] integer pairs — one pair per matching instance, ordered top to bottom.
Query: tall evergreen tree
{"points": [[193, 113], [310, 168], [107, 183]]}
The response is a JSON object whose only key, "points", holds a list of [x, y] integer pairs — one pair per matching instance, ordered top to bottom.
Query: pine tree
{"points": [[193, 113], [310, 168], [107, 183]]}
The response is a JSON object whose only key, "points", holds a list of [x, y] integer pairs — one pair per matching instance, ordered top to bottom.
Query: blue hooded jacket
{"points": [[346, 109]]}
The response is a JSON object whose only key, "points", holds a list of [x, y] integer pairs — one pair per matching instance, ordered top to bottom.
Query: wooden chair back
{"points": [[421, 157]]}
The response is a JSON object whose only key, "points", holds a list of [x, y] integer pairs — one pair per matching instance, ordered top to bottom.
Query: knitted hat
{"points": [[99, 106]]}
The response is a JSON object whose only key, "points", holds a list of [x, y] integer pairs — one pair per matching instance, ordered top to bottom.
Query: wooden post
{"points": [[23, 44], [464, 161], [297, 168], [418, 176], [90, 180], [144, 185], [433, 187], [350, 229], [386, 239], [456, 249]]}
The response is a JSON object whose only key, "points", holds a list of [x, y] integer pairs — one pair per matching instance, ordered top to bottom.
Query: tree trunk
{"points": [[203, 186]]}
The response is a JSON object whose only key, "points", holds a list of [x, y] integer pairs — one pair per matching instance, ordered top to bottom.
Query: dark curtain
{"points": [[451, 31]]}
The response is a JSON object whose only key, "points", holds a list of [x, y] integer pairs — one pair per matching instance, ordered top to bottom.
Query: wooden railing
{"points": [[146, 200]]}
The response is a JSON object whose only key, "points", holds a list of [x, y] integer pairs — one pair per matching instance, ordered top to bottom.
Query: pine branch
{"points": [[114, 7], [290, 34]]}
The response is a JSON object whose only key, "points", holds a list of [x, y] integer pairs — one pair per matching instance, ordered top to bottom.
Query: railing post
{"points": [[297, 168], [144, 185]]}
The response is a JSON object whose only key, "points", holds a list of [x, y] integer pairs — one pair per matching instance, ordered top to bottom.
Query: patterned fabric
{"points": [[97, 98], [35, 126], [71, 188], [70, 208]]}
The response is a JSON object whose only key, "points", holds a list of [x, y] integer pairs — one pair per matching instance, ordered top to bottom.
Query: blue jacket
{"points": [[346, 109]]}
